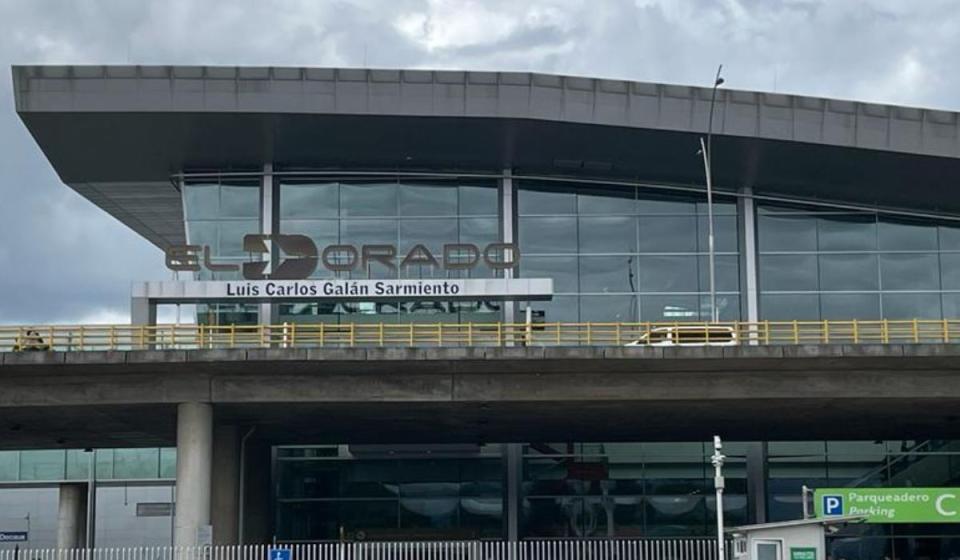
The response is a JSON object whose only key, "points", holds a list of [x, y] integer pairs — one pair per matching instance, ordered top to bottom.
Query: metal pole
{"points": [[708, 171], [718, 481], [91, 500]]}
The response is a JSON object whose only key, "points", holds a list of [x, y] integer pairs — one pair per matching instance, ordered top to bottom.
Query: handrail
{"points": [[32, 338]]}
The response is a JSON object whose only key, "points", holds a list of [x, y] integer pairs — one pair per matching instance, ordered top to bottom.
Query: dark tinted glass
{"points": [[371, 199], [559, 199], [309, 200], [428, 200], [478, 200], [607, 201], [201, 202], [368, 231], [724, 233], [786, 233], [847, 233], [608, 234], [668, 234], [548, 235], [906, 236], [563, 270], [727, 270], [910, 271], [950, 271], [788, 272], [847, 272], [667, 273], [608, 274], [849, 306], [911, 306], [789, 307], [608, 309]]}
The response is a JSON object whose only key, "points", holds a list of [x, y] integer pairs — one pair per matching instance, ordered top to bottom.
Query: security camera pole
{"points": [[717, 460]]}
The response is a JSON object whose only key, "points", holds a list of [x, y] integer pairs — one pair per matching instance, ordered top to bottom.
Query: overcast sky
{"points": [[891, 51]]}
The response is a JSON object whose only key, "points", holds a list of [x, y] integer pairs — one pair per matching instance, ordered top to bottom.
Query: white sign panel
{"points": [[347, 290]]}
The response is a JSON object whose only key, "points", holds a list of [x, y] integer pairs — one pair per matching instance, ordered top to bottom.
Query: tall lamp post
{"points": [[707, 151]]}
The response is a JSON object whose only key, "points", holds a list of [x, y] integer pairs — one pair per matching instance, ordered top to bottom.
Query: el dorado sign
{"points": [[301, 257], [890, 505]]}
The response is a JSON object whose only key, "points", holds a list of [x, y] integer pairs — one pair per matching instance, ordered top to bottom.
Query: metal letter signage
{"points": [[296, 257], [890, 505]]}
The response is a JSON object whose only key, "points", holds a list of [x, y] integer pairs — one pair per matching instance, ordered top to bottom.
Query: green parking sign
{"points": [[890, 505], [798, 553]]}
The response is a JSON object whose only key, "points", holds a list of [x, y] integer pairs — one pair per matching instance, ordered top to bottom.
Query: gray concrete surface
{"points": [[490, 394], [194, 472]]}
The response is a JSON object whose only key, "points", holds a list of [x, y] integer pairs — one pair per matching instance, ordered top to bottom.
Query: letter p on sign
{"points": [[833, 505]]}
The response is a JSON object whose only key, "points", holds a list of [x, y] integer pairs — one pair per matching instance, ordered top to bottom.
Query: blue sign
{"points": [[832, 504], [14, 536], [279, 554]]}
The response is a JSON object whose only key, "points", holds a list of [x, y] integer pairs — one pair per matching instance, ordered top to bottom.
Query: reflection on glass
{"points": [[368, 199], [553, 199], [309, 200], [428, 200], [478, 200], [201, 201], [607, 201], [786, 233], [847, 233], [608, 234], [668, 234], [548, 235], [907, 236], [562, 269], [909, 271], [788, 272], [844, 272], [667, 273], [608, 274], [911, 306], [790, 307], [844, 307], [678, 308], [608, 309]]}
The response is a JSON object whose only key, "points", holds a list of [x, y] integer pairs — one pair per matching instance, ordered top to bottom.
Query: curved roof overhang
{"points": [[117, 134]]}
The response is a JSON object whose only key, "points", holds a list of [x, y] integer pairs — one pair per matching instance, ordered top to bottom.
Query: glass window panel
{"points": [[368, 199], [315, 200], [428, 200], [478, 200], [558, 200], [239, 201], [606, 201], [201, 202], [658, 203], [720, 207], [479, 231], [322, 232], [368, 232], [203, 233], [432, 233], [724, 233], [786, 233], [847, 233], [609, 234], [668, 234], [548, 235], [231, 236], [906, 236], [950, 237], [563, 270], [727, 271], [909, 271], [950, 271], [788, 272], [851, 272], [668, 273], [608, 274], [728, 305], [911, 306], [951, 306], [789, 307], [842, 307], [669, 308], [561, 309], [608, 309], [168, 462], [136, 463], [47, 464], [78, 464], [9, 465], [433, 513], [370, 517], [552, 517], [305, 521]]}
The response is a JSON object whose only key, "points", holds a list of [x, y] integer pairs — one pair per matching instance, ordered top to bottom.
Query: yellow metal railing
{"points": [[302, 335]]}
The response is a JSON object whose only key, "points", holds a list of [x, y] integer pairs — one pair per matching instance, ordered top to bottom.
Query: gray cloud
{"points": [[877, 50]]}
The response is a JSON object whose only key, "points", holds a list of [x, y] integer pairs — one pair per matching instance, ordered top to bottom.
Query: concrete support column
{"points": [[749, 295], [194, 460], [757, 482], [225, 492], [72, 516]]}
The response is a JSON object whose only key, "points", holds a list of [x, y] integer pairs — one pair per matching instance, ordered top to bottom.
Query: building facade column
{"points": [[269, 225], [508, 233], [749, 294], [514, 465], [194, 473], [757, 481], [225, 492], [72, 516]]}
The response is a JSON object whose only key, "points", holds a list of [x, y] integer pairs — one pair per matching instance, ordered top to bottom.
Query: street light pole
{"points": [[707, 151], [718, 481]]}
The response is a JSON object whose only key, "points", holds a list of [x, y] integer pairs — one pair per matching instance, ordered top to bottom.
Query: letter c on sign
{"points": [[940, 508]]}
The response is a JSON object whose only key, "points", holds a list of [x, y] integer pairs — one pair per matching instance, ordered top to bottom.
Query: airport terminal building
{"points": [[415, 293]]}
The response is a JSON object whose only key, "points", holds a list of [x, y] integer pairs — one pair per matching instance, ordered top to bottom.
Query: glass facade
{"points": [[408, 215], [626, 254], [822, 263], [54, 465]]}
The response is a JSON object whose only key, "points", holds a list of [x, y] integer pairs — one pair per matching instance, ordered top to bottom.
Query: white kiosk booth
{"points": [[802, 539]]}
